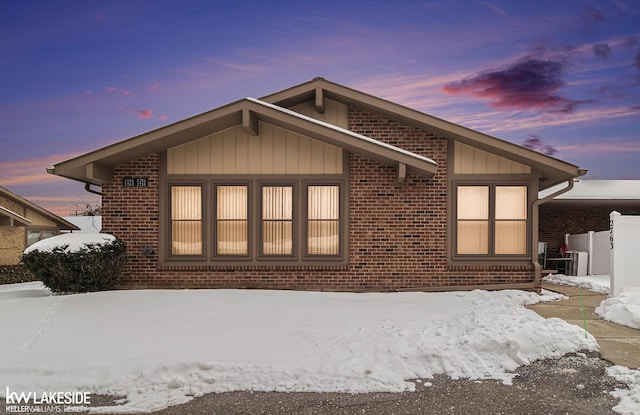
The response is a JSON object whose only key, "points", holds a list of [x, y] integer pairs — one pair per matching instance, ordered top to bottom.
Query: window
{"points": [[186, 220], [232, 220], [277, 220], [323, 220], [473, 220], [491, 220], [511, 220], [256, 221], [34, 235]]}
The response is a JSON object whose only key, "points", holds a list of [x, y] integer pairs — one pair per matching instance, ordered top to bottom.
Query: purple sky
{"points": [[562, 77]]}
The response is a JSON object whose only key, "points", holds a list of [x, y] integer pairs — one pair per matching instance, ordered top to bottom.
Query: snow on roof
{"points": [[344, 131], [598, 190], [11, 214], [87, 224]]}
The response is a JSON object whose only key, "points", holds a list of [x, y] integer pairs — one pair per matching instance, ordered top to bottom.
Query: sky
{"points": [[562, 77]]}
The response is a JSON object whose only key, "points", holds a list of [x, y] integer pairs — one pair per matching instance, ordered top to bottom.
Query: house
{"points": [[322, 187], [586, 207], [23, 223]]}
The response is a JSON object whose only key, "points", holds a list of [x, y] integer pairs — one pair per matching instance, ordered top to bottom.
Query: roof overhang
{"points": [[96, 167], [551, 170], [9, 218], [60, 222]]}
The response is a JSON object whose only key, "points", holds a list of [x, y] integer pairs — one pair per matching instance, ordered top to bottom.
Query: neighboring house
{"points": [[322, 187], [586, 207], [23, 223], [87, 224]]}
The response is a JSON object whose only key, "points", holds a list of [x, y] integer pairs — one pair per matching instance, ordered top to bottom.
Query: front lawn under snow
{"points": [[161, 348]]}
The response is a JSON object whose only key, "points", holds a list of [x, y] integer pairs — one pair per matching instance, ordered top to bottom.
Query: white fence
{"points": [[596, 245], [624, 247]]}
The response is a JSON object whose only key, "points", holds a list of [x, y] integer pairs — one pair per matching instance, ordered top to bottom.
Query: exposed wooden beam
{"points": [[319, 100], [250, 122], [99, 172], [402, 172]]}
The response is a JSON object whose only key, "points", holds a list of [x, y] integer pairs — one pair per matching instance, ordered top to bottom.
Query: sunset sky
{"points": [[562, 77]]}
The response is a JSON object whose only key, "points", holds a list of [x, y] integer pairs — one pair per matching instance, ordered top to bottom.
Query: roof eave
{"points": [[95, 167], [552, 171]]}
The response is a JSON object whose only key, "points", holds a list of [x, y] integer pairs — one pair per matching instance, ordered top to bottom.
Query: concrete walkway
{"points": [[618, 344]]}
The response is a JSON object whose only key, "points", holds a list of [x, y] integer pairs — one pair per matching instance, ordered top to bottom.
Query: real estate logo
{"points": [[39, 402]]}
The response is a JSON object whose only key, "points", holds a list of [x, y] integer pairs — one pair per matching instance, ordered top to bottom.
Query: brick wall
{"points": [[132, 214], [556, 221], [398, 231], [12, 238]]}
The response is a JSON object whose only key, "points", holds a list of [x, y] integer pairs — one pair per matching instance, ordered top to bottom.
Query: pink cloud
{"points": [[528, 84], [154, 87], [109, 88], [144, 114], [534, 142], [30, 171]]}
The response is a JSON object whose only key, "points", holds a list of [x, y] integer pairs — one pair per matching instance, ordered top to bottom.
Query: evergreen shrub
{"points": [[94, 267]]}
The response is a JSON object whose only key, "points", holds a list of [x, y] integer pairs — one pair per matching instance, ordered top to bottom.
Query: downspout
{"points": [[87, 187], [537, 284]]}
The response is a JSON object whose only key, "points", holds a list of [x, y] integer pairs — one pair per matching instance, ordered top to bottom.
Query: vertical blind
{"points": [[186, 220], [277, 220], [473, 220], [507, 220], [511, 220], [323, 222], [232, 228]]}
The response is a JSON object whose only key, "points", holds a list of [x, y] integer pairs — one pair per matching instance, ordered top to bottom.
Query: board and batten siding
{"points": [[275, 151], [470, 160], [39, 220]]}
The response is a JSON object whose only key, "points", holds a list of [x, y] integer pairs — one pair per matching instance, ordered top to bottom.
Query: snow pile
{"points": [[73, 241], [597, 283], [624, 310], [162, 348], [629, 398]]}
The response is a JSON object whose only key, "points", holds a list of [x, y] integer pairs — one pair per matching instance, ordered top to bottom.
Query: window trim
{"points": [[203, 218], [214, 221], [258, 221], [342, 238], [491, 256], [254, 259]]}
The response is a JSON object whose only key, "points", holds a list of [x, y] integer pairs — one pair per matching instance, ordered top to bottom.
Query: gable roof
{"points": [[96, 167], [552, 171], [60, 222]]}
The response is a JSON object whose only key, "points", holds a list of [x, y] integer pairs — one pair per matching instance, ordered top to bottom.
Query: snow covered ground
{"points": [[597, 283], [624, 310], [161, 348]]}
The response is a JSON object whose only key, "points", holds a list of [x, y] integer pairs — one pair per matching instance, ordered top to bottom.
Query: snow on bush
{"points": [[76, 262]]}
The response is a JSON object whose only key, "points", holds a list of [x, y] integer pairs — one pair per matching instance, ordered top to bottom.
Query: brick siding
{"points": [[397, 237]]}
